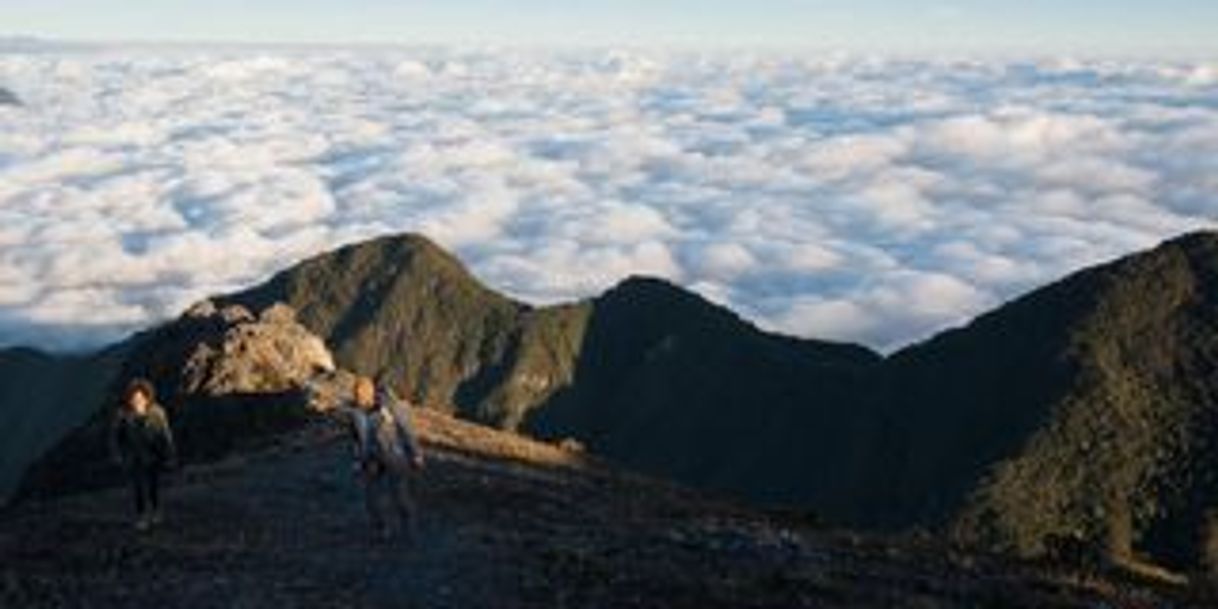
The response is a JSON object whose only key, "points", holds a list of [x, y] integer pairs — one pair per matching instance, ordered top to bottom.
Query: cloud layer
{"points": [[862, 199]]}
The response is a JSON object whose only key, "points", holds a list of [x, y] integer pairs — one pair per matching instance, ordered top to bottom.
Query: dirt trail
{"points": [[506, 523], [257, 531]]}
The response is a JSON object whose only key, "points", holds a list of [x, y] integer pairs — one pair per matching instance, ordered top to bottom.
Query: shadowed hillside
{"points": [[674, 385], [44, 397], [1089, 406]]}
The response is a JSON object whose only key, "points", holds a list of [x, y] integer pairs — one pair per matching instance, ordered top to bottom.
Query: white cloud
{"points": [[864, 199], [626, 223], [810, 258], [724, 260], [837, 319]]}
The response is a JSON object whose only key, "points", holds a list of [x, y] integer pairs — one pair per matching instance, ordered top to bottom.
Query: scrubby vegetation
{"points": [[1125, 458]]}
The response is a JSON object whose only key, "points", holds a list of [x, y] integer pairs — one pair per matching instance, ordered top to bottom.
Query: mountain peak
{"points": [[8, 98], [1204, 238], [405, 243], [1200, 248], [397, 252], [645, 282], [649, 289]]}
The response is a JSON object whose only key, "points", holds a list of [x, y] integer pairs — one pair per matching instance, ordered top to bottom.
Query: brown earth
{"points": [[506, 522]]}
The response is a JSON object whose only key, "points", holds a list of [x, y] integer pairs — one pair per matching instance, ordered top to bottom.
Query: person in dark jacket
{"points": [[142, 443], [384, 452]]}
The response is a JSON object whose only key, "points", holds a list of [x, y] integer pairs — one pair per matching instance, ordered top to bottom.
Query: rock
{"points": [[201, 309], [278, 313], [235, 314], [269, 354], [224, 375], [327, 390]]}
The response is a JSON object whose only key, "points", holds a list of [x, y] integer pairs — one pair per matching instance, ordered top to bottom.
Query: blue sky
{"points": [[1112, 26]]}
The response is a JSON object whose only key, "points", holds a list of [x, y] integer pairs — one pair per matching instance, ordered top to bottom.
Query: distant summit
{"points": [[21, 43], [35, 44], [8, 98]]}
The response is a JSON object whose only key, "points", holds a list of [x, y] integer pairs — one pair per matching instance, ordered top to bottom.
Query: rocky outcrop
{"points": [[269, 354], [224, 375]]}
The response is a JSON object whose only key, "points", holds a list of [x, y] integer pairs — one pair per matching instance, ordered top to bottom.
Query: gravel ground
{"points": [[505, 523]]}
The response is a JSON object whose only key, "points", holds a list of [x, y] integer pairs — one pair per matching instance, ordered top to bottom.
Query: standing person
{"points": [[142, 442], [385, 450]]}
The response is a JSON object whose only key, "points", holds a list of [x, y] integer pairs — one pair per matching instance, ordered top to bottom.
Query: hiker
{"points": [[142, 443], [385, 452]]}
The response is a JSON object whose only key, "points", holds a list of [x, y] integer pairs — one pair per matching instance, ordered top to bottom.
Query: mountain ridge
{"points": [[954, 433]]}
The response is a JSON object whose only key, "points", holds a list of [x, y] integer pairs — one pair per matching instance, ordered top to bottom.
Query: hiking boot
{"points": [[142, 523]]}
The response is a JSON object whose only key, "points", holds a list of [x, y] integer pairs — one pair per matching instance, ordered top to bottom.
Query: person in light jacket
{"points": [[385, 451]]}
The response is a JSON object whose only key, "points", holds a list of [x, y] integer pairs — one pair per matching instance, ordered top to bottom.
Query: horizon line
{"points": [[20, 42]]}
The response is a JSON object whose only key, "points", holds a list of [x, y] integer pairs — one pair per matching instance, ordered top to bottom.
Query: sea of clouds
{"points": [[874, 200]]}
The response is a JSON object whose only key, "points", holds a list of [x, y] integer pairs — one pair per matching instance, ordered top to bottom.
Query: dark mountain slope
{"points": [[7, 98], [672, 384], [967, 397], [42, 398], [1083, 411]]}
